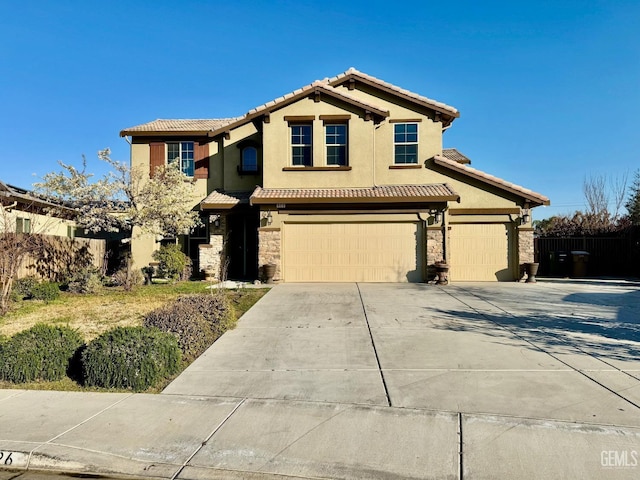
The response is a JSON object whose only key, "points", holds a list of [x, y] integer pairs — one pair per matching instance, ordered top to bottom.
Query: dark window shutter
{"points": [[156, 157], [201, 157]]}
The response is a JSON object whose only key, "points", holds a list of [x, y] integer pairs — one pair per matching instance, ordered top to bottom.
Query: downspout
{"points": [[373, 148], [8, 208]]}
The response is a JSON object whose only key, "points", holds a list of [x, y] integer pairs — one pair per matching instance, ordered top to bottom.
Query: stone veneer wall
{"points": [[525, 245], [269, 249], [435, 250], [526, 253], [212, 255]]}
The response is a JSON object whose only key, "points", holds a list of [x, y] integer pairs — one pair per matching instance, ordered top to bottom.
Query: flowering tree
{"points": [[124, 198]]}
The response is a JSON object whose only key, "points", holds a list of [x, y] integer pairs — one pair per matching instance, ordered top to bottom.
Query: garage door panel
{"points": [[347, 252], [479, 252]]}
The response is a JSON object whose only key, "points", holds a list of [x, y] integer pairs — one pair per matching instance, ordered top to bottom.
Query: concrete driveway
{"points": [[515, 379], [368, 381]]}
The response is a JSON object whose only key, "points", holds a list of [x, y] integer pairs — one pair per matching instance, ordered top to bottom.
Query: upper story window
{"points": [[405, 141], [336, 142], [301, 145], [181, 152], [249, 159], [23, 225]]}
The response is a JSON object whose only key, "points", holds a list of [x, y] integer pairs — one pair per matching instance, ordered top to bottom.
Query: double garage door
{"points": [[353, 252]]}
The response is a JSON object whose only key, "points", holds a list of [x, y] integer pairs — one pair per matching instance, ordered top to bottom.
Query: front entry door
{"points": [[242, 246]]}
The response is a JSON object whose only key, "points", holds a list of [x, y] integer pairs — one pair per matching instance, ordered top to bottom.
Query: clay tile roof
{"points": [[352, 72], [323, 86], [179, 126], [455, 155], [491, 180], [440, 192], [224, 200]]}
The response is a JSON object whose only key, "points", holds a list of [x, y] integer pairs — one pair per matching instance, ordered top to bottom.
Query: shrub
{"points": [[172, 263], [127, 278], [86, 280], [23, 288], [46, 291], [216, 310], [195, 320], [193, 333], [43, 352], [130, 357]]}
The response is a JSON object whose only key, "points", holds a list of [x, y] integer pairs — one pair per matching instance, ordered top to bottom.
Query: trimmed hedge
{"points": [[195, 320], [43, 352], [130, 357]]}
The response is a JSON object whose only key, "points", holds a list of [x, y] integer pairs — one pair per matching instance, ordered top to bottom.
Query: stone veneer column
{"points": [[525, 245], [269, 249], [435, 249], [526, 253], [212, 254]]}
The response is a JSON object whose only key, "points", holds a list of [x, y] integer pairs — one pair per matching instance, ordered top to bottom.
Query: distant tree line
{"points": [[604, 198]]}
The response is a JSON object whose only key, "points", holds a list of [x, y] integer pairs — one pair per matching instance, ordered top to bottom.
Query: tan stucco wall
{"points": [[370, 147], [229, 160], [40, 224], [143, 245]]}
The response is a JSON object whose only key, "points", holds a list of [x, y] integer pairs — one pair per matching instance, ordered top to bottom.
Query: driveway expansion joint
{"points": [[373, 344]]}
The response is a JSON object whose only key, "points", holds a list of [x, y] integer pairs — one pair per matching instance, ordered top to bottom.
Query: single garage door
{"points": [[352, 252], [479, 252]]}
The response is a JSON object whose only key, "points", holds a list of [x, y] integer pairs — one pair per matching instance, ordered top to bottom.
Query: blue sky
{"points": [[549, 91]]}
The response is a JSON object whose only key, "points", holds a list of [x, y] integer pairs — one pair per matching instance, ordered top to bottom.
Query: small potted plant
{"points": [[442, 269], [532, 270], [269, 271]]}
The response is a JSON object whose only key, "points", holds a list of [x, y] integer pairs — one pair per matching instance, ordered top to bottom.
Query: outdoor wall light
{"points": [[437, 215], [267, 216], [525, 216], [215, 219]]}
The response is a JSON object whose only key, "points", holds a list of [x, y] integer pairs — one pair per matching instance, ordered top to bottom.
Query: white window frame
{"points": [[405, 142], [344, 145], [308, 146], [187, 165]]}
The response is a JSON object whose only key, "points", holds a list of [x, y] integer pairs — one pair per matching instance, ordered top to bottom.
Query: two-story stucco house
{"points": [[344, 179]]}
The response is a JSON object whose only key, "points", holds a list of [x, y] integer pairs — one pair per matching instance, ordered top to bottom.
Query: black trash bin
{"points": [[579, 260], [560, 264]]}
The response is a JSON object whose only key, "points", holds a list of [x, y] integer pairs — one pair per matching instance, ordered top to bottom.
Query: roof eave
{"points": [[452, 113], [165, 133], [537, 199], [352, 200], [217, 206]]}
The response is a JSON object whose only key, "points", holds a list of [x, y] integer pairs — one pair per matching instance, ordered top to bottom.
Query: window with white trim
{"points": [[405, 142], [336, 143], [301, 145], [181, 152]]}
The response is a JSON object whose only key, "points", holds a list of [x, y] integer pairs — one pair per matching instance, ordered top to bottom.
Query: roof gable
{"points": [[450, 113], [213, 127], [486, 178]]}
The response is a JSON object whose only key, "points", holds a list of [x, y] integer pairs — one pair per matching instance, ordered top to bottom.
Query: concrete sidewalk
{"points": [[372, 381]]}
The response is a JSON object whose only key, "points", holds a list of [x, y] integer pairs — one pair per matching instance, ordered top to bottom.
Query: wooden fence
{"points": [[62, 255], [608, 256]]}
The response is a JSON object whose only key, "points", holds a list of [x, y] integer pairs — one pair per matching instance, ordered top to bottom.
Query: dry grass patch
{"points": [[94, 314]]}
